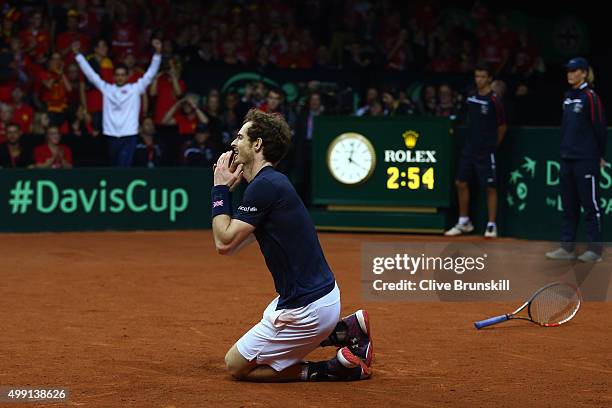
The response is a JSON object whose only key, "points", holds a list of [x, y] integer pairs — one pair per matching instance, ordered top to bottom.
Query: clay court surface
{"points": [[143, 319]]}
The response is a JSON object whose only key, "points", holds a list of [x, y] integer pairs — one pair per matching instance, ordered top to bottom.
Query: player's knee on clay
{"points": [[233, 364]]}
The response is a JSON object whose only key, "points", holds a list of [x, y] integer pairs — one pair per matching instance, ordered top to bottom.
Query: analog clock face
{"points": [[351, 158]]}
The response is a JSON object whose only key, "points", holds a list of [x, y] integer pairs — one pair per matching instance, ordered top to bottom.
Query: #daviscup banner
{"points": [[99, 199]]}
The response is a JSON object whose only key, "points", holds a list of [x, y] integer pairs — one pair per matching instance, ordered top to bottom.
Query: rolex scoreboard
{"points": [[378, 162]]}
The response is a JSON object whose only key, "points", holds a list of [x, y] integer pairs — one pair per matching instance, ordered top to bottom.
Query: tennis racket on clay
{"points": [[552, 305]]}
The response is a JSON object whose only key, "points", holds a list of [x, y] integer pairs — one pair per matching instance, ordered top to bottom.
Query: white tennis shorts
{"points": [[284, 337]]}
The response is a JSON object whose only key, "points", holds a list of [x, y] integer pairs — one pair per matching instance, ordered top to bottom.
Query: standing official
{"points": [[121, 105], [486, 129], [583, 147]]}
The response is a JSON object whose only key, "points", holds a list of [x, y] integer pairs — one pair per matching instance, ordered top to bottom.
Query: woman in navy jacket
{"points": [[583, 147]]}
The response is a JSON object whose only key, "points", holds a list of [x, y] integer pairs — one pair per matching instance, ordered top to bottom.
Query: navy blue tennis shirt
{"points": [[485, 115], [583, 128], [287, 239]]}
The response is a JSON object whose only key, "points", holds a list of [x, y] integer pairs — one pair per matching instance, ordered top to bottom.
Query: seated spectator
{"points": [[8, 28], [125, 33], [35, 39], [65, 39], [492, 50], [397, 51], [243, 52], [204, 55], [230, 56], [295, 58], [526, 58], [323, 59], [355, 59], [263, 60], [466, 60], [21, 61], [443, 62], [134, 72], [77, 85], [55, 89], [166, 89], [254, 94], [371, 96], [403, 98], [429, 100], [275, 102], [212, 106], [392, 106], [447, 106], [376, 109], [233, 112], [23, 114], [6, 117], [187, 118], [40, 124], [88, 145], [201, 151], [148, 152], [13, 153], [53, 154]]}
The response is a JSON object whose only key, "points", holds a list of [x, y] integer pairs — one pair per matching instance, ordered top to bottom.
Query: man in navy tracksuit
{"points": [[486, 129], [583, 147]]}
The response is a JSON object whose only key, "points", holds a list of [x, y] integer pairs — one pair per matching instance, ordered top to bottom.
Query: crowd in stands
{"points": [[50, 115]]}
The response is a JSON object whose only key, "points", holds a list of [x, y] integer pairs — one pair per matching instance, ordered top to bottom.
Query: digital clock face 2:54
{"points": [[351, 158]]}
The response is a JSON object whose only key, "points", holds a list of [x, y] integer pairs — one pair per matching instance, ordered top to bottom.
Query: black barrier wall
{"points": [[179, 198]]}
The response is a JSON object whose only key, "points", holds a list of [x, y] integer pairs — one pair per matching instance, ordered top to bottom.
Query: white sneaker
{"points": [[460, 229], [491, 232], [561, 254], [590, 256]]}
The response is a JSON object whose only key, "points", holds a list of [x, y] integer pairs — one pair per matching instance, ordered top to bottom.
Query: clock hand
{"points": [[351, 153], [358, 165]]}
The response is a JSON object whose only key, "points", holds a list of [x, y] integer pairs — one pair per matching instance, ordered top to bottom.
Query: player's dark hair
{"points": [[483, 66], [273, 130]]}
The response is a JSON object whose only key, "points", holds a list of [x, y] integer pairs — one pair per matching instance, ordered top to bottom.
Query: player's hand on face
{"points": [[225, 173], [238, 180]]}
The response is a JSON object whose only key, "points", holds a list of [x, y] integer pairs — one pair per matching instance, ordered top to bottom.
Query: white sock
{"points": [[464, 220], [491, 224]]}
